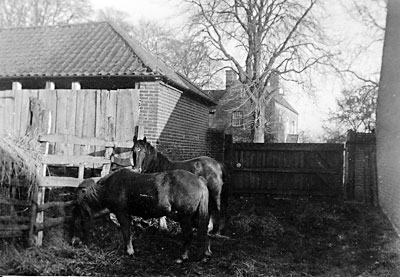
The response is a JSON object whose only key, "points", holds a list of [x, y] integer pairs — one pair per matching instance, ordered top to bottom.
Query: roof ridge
{"points": [[53, 26], [140, 51]]}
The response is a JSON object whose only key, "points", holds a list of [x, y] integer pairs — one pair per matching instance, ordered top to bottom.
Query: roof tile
{"points": [[90, 49]]}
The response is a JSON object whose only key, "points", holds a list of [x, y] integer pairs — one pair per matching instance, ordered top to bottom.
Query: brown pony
{"points": [[147, 159], [126, 193]]}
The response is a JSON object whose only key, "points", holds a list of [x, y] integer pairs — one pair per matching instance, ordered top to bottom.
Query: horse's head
{"points": [[141, 152], [81, 213]]}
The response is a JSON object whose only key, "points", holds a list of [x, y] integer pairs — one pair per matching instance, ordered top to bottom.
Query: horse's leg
{"points": [[162, 221], [125, 223], [187, 233]]}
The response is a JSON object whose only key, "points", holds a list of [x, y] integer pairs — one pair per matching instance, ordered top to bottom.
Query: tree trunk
{"points": [[259, 126]]}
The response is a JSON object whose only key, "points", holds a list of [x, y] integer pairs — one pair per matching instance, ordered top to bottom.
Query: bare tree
{"points": [[22, 13], [115, 16], [260, 38], [183, 52], [356, 108]]}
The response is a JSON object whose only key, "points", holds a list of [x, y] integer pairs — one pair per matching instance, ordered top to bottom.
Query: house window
{"points": [[242, 93], [237, 119]]}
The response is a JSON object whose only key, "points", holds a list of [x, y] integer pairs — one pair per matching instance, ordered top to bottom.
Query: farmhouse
{"points": [[94, 80], [232, 117]]}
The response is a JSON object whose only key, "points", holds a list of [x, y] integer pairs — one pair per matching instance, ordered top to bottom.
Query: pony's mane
{"points": [[158, 161], [93, 189]]}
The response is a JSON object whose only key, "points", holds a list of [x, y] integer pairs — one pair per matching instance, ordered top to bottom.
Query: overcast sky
{"points": [[312, 110]]}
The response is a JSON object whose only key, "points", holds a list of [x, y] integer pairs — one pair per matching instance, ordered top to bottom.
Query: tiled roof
{"points": [[90, 49], [216, 94]]}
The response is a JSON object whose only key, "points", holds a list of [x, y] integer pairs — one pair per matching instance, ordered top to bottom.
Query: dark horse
{"points": [[147, 159], [125, 193]]}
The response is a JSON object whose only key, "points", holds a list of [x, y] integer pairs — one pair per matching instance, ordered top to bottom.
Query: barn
{"points": [[94, 80]]}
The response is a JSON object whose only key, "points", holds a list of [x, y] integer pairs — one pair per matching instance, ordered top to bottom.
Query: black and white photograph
{"points": [[200, 138]]}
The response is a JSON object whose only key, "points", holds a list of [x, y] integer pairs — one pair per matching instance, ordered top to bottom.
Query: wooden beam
{"points": [[50, 85], [16, 86], [76, 86], [70, 139], [75, 140], [309, 147], [88, 161], [287, 170], [49, 181], [15, 202], [58, 204], [7, 218], [51, 222], [14, 227], [10, 234]]}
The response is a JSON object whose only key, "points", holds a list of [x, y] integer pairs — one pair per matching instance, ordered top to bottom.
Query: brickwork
{"points": [[149, 109], [174, 123], [388, 123], [216, 144], [360, 175]]}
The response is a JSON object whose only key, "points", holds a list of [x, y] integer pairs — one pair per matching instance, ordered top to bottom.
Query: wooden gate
{"points": [[288, 169]]}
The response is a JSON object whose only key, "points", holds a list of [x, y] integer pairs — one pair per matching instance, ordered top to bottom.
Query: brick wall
{"points": [[149, 110], [173, 122], [388, 123], [360, 175]]}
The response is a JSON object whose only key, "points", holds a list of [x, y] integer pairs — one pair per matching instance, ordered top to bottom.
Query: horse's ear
{"points": [[134, 139], [144, 140]]}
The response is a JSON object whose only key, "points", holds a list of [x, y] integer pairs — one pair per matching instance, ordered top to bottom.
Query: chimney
{"points": [[230, 77], [274, 82]]}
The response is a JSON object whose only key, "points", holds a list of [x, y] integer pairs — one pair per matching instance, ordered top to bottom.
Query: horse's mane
{"points": [[157, 161], [91, 190]]}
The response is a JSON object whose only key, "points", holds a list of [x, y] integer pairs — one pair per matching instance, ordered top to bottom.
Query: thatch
{"points": [[19, 161]]}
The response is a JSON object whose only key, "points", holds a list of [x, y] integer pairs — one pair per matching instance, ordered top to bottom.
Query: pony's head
{"points": [[142, 154], [82, 212]]}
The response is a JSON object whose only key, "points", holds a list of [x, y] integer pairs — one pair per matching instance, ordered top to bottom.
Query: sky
{"points": [[314, 109]]}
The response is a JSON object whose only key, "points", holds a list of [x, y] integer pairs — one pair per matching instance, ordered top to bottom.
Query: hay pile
{"points": [[19, 160]]}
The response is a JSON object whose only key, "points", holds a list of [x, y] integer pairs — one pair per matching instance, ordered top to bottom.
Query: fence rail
{"points": [[14, 225]]}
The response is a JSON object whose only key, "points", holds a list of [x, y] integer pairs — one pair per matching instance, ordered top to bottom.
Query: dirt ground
{"points": [[266, 237]]}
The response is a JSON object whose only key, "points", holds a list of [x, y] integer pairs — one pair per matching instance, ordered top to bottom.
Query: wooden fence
{"points": [[108, 114], [287, 169], [36, 222]]}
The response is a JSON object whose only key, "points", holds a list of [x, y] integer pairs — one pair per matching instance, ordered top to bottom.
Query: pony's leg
{"points": [[162, 221], [126, 232], [187, 233], [204, 240]]}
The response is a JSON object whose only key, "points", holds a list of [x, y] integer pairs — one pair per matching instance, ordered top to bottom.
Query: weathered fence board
{"points": [[111, 115], [288, 169]]}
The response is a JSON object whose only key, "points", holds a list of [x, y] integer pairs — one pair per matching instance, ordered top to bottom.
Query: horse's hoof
{"points": [[75, 241], [130, 252], [207, 256], [180, 260]]}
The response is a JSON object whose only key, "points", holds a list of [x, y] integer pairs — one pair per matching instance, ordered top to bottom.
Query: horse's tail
{"points": [[203, 208]]}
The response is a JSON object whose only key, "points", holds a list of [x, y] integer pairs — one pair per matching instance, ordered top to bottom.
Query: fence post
{"points": [[360, 174], [41, 191], [33, 216]]}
